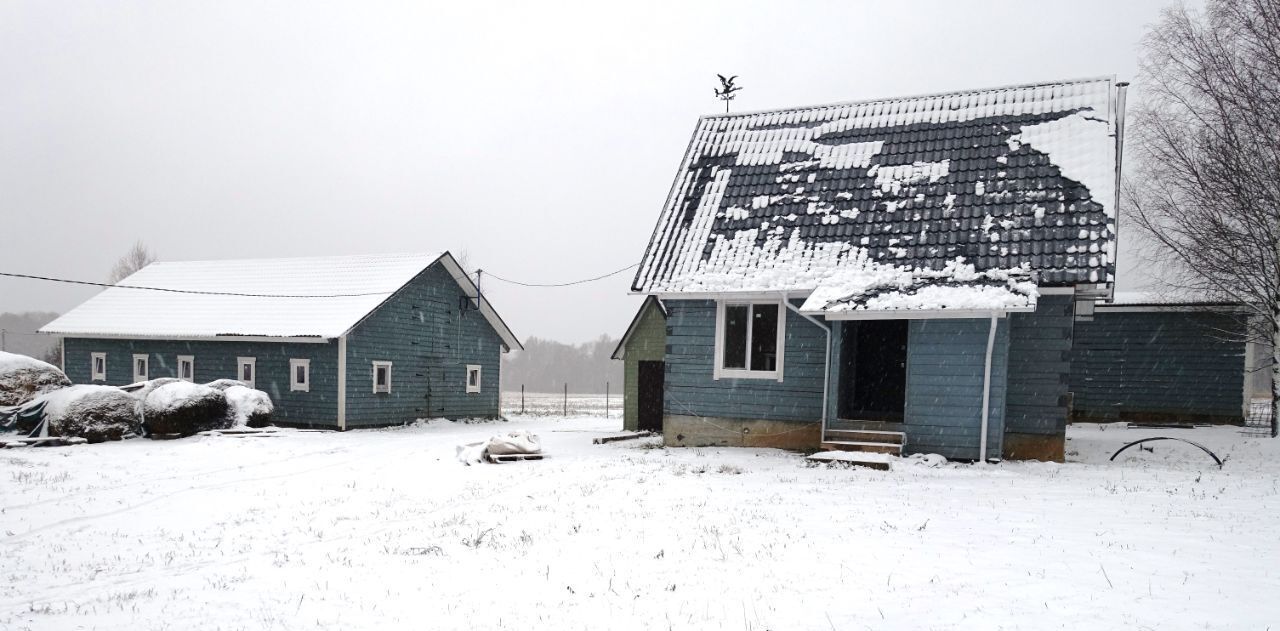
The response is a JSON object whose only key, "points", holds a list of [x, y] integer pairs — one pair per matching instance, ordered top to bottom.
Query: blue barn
{"points": [[898, 275], [338, 342]]}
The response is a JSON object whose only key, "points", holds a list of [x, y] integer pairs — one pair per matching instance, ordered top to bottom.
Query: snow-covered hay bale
{"points": [[24, 378], [221, 385], [141, 390], [248, 406], [185, 408], [94, 413]]}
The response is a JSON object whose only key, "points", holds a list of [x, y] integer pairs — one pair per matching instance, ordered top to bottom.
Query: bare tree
{"points": [[1207, 186], [138, 257]]}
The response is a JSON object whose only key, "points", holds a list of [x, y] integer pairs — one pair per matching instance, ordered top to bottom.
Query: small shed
{"points": [[642, 350], [1143, 358]]}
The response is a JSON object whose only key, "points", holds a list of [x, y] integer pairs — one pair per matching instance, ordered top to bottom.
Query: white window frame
{"points": [[189, 359], [252, 362], [146, 368], [718, 369], [477, 370], [95, 374], [294, 386], [381, 389]]}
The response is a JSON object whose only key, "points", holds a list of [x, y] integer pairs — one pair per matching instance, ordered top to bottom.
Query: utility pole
{"points": [[2, 346]]}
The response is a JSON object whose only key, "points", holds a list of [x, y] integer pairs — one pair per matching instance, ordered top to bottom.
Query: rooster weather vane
{"points": [[727, 90]]}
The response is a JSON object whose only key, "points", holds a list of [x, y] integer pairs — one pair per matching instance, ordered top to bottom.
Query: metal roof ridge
{"points": [[909, 97]]}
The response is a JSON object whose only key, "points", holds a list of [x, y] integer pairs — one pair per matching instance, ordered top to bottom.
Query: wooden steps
{"points": [[864, 439], [866, 447]]}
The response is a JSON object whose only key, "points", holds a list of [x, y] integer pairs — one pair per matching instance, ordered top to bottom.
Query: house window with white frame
{"points": [[750, 337], [98, 366], [187, 367], [141, 368], [247, 370], [300, 375], [381, 377], [473, 378]]}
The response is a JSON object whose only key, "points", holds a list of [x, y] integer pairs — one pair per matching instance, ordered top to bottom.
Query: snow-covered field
{"points": [[386, 529]]}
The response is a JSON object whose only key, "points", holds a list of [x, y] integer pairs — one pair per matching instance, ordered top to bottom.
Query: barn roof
{"points": [[1018, 179], [315, 297]]}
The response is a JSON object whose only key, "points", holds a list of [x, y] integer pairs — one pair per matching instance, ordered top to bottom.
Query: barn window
{"points": [[749, 340], [98, 366], [187, 367], [141, 368], [247, 370], [300, 375], [381, 377], [473, 378]]}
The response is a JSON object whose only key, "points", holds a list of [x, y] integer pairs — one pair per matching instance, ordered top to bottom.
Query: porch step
{"points": [[866, 435], [864, 446]]}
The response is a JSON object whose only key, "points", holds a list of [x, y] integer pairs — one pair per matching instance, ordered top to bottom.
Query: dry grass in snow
{"points": [[385, 529]]}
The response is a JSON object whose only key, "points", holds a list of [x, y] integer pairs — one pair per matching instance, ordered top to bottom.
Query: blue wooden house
{"points": [[896, 275], [340, 342], [1147, 358]]}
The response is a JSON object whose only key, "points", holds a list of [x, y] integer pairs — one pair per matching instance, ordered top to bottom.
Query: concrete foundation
{"points": [[693, 431], [1047, 447]]}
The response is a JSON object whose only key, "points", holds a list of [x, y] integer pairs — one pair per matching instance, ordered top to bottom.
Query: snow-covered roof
{"points": [[1020, 177], [869, 289], [314, 297], [1165, 299]]}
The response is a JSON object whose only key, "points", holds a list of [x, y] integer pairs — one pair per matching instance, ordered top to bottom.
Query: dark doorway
{"points": [[873, 370], [649, 396]]}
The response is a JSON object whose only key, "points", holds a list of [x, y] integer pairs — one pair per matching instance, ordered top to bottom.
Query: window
{"points": [[750, 340], [98, 366], [141, 366], [187, 367], [247, 370], [300, 375], [381, 377], [473, 378]]}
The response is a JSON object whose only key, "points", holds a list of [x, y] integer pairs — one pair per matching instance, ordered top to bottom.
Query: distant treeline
{"points": [[20, 334], [546, 366]]}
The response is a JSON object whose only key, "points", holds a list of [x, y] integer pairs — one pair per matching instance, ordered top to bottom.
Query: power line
{"points": [[575, 282], [191, 291], [248, 295]]}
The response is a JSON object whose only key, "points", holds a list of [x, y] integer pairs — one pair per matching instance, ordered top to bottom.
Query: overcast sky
{"points": [[540, 140]]}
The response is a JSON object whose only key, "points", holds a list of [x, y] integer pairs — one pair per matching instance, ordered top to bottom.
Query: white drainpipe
{"points": [[826, 373], [986, 390]]}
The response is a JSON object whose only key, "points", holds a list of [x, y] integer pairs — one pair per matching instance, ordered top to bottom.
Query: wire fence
{"points": [[564, 403], [1258, 423]]}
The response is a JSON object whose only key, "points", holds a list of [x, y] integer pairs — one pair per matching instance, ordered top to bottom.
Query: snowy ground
{"points": [[385, 529]]}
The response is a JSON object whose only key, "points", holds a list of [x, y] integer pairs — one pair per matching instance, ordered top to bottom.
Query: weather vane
{"points": [[727, 90]]}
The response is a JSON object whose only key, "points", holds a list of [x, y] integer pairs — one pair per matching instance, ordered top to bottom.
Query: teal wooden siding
{"points": [[430, 340], [217, 360], [945, 362], [1158, 364], [1040, 367], [692, 390]]}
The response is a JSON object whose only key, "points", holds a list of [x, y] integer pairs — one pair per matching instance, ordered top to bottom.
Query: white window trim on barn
{"points": [[189, 360], [252, 363], [97, 366], [141, 368], [473, 369], [718, 369], [294, 384], [386, 387]]}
